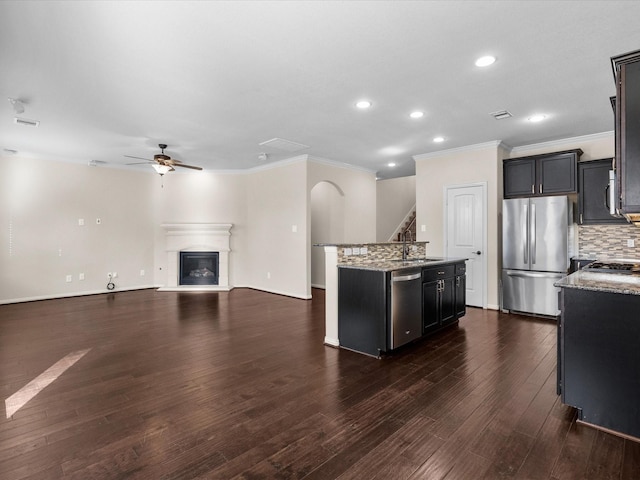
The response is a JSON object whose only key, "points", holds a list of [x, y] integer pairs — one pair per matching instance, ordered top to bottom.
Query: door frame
{"points": [[485, 238]]}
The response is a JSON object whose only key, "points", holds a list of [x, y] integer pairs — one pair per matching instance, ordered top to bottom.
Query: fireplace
{"points": [[198, 268], [197, 273]]}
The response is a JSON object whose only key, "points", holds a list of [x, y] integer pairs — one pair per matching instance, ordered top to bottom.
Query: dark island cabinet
{"points": [[540, 175], [593, 198], [461, 290], [443, 296], [366, 311]]}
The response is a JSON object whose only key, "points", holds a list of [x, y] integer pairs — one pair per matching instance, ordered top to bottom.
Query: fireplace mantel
{"points": [[195, 237]]}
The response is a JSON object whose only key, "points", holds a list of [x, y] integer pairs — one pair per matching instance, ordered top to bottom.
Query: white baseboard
{"points": [[73, 294], [332, 342]]}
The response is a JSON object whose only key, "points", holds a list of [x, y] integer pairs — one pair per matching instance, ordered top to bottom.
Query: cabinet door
{"points": [[629, 110], [557, 174], [519, 178], [593, 182], [461, 292], [447, 301], [430, 306]]}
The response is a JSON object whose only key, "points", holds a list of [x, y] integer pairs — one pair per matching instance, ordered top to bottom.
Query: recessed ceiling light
{"points": [[485, 61], [363, 104], [416, 114], [537, 118], [438, 139], [391, 164]]}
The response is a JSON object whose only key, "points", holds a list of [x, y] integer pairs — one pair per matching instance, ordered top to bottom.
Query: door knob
{"points": [[478, 252]]}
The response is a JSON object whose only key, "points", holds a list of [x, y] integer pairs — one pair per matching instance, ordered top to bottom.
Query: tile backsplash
{"points": [[608, 241], [377, 252]]}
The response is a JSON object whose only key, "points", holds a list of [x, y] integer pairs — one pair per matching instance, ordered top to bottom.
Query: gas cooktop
{"points": [[615, 266]]}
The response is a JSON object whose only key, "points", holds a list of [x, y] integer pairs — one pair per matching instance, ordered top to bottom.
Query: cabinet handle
{"points": [[540, 188], [580, 219], [440, 273], [457, 281]]}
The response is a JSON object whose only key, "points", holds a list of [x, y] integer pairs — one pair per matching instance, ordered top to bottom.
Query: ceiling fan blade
{"points": [[139, 158], [148, 162], [187, 166]]}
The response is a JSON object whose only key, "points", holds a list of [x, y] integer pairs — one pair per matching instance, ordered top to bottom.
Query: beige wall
{"points": [[480, 163], [483, 163], [358, 189], [202, 197], [394, 199], [327, 226], [41, 242]]}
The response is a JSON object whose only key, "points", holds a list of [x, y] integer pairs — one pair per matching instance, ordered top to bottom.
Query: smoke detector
{"points": [[263, 157]]}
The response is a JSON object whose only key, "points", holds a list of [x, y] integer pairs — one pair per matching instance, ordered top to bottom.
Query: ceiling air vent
{"points": [[501, 115], [25, 121], [282, 144]]}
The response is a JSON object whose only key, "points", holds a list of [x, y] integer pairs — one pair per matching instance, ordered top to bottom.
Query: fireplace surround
{"points": [[191, 239]]}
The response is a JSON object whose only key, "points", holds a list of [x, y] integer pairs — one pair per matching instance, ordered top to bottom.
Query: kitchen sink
{"points": [[410, 261]]}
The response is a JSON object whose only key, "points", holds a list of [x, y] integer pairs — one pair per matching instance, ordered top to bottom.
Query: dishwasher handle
{"points": [[406, 278]]}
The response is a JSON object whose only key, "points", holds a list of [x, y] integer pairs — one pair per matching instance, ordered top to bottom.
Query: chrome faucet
{"points": [[405, 247]]}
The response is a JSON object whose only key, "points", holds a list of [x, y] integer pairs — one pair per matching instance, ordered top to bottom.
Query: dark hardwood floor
{"points": [[239, 385]]}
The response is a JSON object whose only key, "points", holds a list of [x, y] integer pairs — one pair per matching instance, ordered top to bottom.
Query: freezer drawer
{"points": [[530, 292]]}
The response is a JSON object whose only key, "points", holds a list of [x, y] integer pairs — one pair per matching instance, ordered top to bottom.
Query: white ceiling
{"points": [[215, 79]]}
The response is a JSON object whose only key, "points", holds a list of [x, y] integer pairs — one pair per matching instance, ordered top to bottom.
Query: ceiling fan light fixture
{"points": [[162, 169]]}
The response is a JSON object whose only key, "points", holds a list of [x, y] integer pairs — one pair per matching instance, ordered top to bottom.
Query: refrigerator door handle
{"points": [[525, 222], [533, 234], [517, 273]]}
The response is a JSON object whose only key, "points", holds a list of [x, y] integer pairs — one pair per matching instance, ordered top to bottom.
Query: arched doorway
{"points": [[327, 225]]}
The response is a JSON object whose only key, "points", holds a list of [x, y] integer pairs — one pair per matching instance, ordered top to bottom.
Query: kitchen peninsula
{"points": [[381, 296], [598, 355]]}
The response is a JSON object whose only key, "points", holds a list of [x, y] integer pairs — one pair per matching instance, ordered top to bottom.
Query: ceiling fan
{"points": [[162, 163]]}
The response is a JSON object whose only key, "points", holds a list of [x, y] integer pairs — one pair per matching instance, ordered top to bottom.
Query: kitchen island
{"points": [[385, 304], [598, 349]]}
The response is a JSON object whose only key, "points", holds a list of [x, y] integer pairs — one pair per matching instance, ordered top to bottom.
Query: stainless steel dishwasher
{"points": [[406, 306]]}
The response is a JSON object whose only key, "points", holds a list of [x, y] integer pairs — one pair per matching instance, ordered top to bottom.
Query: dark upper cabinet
{"points": [[627, 126], [539, 175], [593, 189]]}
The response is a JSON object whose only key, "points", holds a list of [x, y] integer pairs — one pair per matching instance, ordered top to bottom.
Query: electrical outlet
{"points": [[98, 221], [81, 222], [294, 228], [423, 228], [631, 242], [356, 250], [364, 250], [346, 252], [142, 273], [115, 274], [268, 275], [81, 276], [69, 278]]}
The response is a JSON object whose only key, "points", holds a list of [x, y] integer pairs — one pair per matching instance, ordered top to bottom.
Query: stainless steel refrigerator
{"points": [[535, 252]]}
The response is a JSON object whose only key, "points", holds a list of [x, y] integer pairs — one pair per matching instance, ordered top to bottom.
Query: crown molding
{"points": [[563, 141], [469, 148]]}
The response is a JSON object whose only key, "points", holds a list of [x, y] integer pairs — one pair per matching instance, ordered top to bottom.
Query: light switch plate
{"points": [[631, 242], [356, 250]]}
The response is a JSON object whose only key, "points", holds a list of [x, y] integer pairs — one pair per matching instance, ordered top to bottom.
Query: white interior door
{"points": [[466, 228]]}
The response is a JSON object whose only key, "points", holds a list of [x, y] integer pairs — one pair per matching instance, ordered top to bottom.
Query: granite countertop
{"points": [[367, 244], [391, 265], [602, 282]]}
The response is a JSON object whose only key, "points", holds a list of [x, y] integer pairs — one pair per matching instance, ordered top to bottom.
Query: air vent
{"points": [[501, 115], [25, 121], [282, 144], [95, 163]]}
